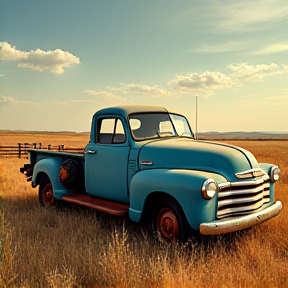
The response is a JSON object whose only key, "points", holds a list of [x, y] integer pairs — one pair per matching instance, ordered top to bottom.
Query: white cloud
{"points": [[249, 15], [234, 16], [231, 46], [244, 46], [276, 48], [9, 53], [53, 61], [247, 73], [238, 75], [197, 82], [202, 84], [138, 88], [118, 89], [129, 91], [155, 91], [104, 94], [4, 100], [12, 101], [83, 101], [69, 103]]}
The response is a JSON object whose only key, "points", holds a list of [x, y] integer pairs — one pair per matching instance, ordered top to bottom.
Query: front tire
{"points": [[45, 192], [169, 221]]}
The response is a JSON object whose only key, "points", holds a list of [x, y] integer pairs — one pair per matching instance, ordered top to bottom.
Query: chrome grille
{"points": [[243, 197]]}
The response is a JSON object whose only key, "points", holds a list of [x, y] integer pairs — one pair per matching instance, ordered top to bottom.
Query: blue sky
{"points": [[61, 61]]}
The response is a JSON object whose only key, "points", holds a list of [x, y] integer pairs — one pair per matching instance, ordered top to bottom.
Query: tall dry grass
{"points": [[82, 248]]}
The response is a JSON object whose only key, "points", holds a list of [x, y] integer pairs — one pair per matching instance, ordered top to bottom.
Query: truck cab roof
{"points": [[130, 109]]}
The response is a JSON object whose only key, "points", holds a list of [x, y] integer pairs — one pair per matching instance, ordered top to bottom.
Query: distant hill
{"points": [[212, 135], [243, 135]]}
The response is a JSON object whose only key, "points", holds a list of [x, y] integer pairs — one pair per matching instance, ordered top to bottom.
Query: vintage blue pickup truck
{"points": [[144, 162]]}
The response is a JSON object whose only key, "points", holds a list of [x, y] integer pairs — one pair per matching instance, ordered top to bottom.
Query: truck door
{"points": [[106, 161]]}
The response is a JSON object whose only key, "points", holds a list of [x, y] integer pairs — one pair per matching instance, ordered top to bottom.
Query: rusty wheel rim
{"points": [[47, 195], [167, 225]]}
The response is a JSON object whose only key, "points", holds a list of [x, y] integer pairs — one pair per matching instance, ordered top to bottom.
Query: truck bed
{"points": [[39, 154]]}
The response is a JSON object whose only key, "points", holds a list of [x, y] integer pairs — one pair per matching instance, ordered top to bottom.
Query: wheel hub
{"points": [[47, 195], [168, 224]]}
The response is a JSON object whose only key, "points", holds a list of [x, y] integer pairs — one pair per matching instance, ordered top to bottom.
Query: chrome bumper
{"points": [[239, 223]]}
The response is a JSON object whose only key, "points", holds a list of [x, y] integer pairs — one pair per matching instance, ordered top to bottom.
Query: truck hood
{"points": [[183, 153]]}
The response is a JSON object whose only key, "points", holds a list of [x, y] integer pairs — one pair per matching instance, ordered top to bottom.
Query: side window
{"points": [[110, 131]]}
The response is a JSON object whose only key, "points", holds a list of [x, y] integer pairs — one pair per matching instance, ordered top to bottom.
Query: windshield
{"points": [[158, 125]]}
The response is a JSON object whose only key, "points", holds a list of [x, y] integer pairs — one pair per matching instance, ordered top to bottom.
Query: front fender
{"points": [[51, 167], [267, 168], [184, 185]]}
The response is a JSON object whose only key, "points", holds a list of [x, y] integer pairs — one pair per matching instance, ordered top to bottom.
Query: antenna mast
{"points": [[196, 117]]}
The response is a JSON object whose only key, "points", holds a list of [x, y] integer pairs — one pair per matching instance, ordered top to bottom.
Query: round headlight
{"points": [[275, 173], [209, 188]]}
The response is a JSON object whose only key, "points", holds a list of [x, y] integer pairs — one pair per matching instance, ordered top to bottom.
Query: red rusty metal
{"points": [[71, 174], [47, 195], [104, 205], [167, 224]]}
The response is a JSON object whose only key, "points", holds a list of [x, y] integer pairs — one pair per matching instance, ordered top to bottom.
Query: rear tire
{"points": [[45, 193], [169, 221]]}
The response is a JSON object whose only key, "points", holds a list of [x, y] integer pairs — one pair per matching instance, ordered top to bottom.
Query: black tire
{"points": [[45, 193], [169, 221]]}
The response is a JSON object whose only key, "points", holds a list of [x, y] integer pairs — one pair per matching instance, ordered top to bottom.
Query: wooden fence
{"points": [[21, 149]]}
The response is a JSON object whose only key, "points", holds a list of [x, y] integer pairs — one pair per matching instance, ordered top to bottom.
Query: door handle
{"points": [[90, 152]]}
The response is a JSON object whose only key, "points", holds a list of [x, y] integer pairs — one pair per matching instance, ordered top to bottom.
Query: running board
{"points": [[104, 205]]}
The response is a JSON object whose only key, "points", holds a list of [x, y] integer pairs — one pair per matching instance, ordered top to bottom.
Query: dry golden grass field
{"points": [[82, 248]]}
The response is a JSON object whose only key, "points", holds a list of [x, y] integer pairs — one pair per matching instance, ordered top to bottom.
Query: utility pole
{"points": [[196, 117]]}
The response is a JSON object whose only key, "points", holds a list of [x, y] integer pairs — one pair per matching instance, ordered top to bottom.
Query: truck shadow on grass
{"points": [[107, 224], [143, 231]]}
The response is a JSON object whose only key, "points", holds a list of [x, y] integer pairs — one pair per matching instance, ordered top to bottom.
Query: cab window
{"points": [[110, 131]]}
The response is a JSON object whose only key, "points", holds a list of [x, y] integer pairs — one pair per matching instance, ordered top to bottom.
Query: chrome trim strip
{"points": [[90, 152], [144, 162], [257, 172], [243, 183], [224, 185], [244, 191], [242, 200], [242, 209], [239, 223]]}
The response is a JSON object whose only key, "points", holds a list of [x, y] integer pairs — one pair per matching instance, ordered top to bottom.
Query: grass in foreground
{"points": [[81, 248]]}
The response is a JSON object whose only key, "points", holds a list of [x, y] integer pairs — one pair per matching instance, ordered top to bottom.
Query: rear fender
{"points": [[50, 167], [183, 185]]}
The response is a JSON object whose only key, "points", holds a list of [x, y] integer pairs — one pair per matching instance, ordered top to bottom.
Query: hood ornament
{"points": [[257, 172]]}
